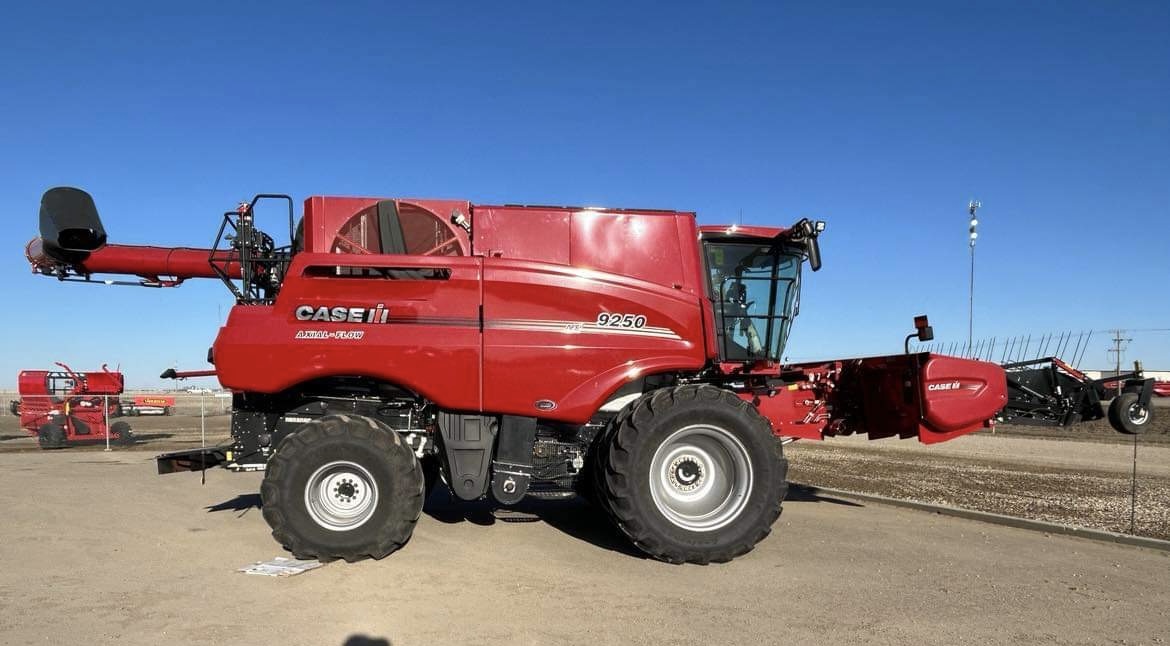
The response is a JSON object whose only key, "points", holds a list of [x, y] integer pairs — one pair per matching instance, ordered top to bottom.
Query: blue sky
{"points": [[883, 121]]}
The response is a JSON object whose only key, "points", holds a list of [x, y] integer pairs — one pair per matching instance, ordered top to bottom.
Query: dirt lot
{"points": [[1079, 476], [98, 549]]}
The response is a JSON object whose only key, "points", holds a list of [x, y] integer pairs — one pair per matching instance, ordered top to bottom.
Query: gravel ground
{"points": [[1025, 485]]}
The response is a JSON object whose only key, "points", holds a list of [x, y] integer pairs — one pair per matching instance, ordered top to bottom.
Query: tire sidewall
{"points": [[1119, 408], [51, 436], [380, 464], [767, 473]]}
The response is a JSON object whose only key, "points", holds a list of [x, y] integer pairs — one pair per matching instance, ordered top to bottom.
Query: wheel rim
{"points": [[1138, 414], [700, 478], [341, 496]]}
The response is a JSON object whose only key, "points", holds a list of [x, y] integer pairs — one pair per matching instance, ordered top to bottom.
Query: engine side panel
{"points": [[425, 337], [558, 340]]}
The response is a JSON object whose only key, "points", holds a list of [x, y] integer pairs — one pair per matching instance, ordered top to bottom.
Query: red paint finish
{"points": [[152, 263], [542, 311], [542, 342], [432, 345], [957, 395], [931, 397], [154, 400], [80, 402]]}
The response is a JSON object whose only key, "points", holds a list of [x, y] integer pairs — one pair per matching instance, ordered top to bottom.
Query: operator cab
{"points": [[753, 282]]}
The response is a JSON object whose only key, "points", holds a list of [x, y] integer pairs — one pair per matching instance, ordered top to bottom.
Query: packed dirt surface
{"points": [[162, 433], [1083, 480], [98, 549]]}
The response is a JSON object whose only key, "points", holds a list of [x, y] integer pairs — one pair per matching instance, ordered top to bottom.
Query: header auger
{"points": [[627, 355]]}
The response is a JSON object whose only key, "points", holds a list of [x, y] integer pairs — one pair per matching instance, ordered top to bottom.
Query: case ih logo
{"points": [[378, 314], [949, 385]]}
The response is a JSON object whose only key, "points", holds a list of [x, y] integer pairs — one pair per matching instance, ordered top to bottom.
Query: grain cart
{"points": [[519, 351], [62, 406]]}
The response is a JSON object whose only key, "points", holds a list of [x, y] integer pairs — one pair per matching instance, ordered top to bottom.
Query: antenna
{"points": [[972, 207]]}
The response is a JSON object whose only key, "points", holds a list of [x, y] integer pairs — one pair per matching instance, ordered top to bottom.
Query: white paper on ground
{"points": [[280, 566]]}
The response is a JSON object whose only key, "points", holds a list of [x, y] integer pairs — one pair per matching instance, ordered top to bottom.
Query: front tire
{"points": [[122, 434], [51, 436], [692, 474], [342, 487]]}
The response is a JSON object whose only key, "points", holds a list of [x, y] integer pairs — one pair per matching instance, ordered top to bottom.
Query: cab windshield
{"points": [[755, 291]]}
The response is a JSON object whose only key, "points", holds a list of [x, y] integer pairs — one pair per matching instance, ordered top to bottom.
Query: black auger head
{"points": [[70, 226]]}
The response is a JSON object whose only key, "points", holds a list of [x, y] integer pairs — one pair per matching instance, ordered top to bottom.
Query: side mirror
{"points": [[806, 231], [814, 254]]}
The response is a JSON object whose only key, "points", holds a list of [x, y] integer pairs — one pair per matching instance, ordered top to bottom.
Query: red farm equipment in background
{"points": [[626, 355], [149, 405], [63, 406]]}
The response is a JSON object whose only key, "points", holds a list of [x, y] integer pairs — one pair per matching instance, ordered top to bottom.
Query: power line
{"points": [[1117, 349]]}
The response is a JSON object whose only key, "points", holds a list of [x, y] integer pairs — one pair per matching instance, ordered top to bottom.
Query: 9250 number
{"points": [[634, 321]]}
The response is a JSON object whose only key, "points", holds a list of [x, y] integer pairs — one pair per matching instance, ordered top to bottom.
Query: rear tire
{"points": [[1127, 415], [51, 436], [691, 474], [343, 487]]}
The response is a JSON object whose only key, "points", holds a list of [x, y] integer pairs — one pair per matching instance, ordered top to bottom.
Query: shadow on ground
{"points": [[805, 493], [241, 503], [573, 516], [365, 640]]}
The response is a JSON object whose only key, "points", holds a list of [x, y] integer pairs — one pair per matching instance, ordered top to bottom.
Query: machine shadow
{"points": [[147, 437], [806, 493], [241, 503], [572, 516], [365, 640]]}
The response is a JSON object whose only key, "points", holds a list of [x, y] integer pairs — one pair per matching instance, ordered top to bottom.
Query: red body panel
{"points": [[542, 287], [431, 345], [957, 395]]}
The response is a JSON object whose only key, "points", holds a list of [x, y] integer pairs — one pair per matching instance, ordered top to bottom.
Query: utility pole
{"points": [[972, 207], [1117, 350]]}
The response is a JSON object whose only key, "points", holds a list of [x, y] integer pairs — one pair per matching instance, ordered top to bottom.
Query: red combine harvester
{"points": [[511, 351], [63, 406]]}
